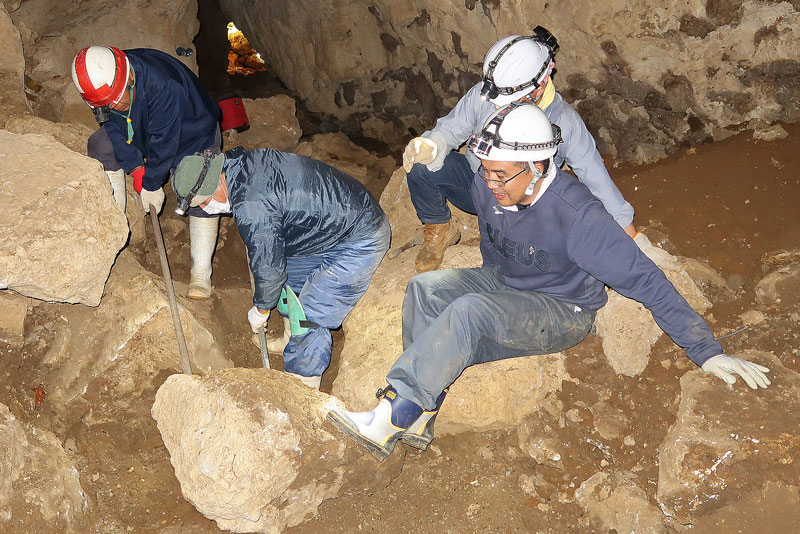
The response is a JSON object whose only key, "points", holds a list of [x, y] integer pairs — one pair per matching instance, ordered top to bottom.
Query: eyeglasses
{"points": [[501, 183]]}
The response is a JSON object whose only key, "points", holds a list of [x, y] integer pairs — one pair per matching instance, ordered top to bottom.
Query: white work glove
{"points": [[419, 150], [154, 198], [257, 319], [727, 367]]}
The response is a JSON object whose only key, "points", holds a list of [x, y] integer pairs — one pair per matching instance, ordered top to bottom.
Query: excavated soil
{"points": [[732, 204]]}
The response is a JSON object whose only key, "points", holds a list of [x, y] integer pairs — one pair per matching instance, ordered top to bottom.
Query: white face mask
{"points": [[215, 207]]}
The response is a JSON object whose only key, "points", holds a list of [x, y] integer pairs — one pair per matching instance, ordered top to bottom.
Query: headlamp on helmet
{"points": [[490, 90], [490, 145], [196, 178]]}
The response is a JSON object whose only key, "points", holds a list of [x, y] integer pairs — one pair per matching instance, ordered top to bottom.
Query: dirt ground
{"points": [[732, 204]]}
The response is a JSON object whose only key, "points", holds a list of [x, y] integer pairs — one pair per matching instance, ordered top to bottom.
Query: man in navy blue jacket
{"points": [[516, 68], [153, 112], [306, 225], [548, 248]]}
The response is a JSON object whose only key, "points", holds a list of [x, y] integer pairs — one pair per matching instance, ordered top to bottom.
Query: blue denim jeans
{"points": [[430, 190], [328, 286], [456, 318]]}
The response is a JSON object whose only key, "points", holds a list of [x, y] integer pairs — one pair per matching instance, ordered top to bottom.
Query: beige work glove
{"points": [[419, 150], [152, 198], [727, 367]]}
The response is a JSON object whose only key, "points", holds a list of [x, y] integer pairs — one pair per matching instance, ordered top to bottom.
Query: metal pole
{"points": [[173, 305], [262, 335]]}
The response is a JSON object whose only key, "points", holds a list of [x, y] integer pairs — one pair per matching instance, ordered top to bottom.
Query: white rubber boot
{"points": [[117, 179], [203, 241], [277, 344], [310, 381], [379, 429]]}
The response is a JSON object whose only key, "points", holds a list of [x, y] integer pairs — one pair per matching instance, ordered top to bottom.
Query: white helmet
{"points": [[516, 65], [517, 132]]}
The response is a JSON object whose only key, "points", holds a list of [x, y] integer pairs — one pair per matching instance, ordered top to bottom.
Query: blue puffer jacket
{"points": [[172, 117], [288, 205]]}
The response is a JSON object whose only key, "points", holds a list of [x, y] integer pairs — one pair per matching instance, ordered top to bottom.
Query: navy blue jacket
{"points": [[172, 117], [288, 205], [567, 246]]}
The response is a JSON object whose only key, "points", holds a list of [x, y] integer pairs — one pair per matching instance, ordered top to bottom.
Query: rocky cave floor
{"points": [[732, 204]]}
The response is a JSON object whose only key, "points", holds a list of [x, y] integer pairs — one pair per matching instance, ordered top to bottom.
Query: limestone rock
{"points": [[53, 33], [12, 69], [652, 75], [272, 125], [771, 133], [71, 135], [337, 150], [396, 203], [61, 227], [709, 281], [780, 287], [13, 309], [752, 317], [628, 328], [125, 344], [500, 394], [610, 422], [722, 434], [544, 450], [250, 451], [36, 477], [617, 502]]}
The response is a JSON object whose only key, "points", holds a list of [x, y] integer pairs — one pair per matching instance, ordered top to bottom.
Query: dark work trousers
{"points": [[431, 190], [456, 318]]}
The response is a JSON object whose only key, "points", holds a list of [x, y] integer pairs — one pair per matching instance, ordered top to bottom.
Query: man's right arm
{"points": [[454, 129], [262, 233]]}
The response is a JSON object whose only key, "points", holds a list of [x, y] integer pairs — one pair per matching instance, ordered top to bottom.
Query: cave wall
{"points": [[53, 32], [647, 78]]}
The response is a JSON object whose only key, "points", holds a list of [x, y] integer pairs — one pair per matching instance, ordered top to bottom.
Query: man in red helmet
{"points": [[153, 112]]}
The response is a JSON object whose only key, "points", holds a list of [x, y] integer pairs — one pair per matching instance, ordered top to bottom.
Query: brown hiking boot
{"points": [[436, 240]]}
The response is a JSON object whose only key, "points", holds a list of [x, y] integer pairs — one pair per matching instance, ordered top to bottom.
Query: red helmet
{"points": [[100, 74]]}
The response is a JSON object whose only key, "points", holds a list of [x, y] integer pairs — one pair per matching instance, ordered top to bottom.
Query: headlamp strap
{"points": [[540, 35]]}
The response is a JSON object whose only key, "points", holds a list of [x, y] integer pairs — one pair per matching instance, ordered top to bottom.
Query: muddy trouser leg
{"points": [[99, 147], [430, 190], [328, 286], [461, 317]]}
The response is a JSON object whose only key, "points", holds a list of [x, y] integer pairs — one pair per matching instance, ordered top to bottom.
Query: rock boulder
{"points": [[12, 69], [272, 125], [61, 228], [722, 435], [250, 451], [38, 478], [617, 502]]}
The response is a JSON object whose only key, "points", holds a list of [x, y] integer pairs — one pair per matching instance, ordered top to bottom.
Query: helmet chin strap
{"points": [[537, 175]]}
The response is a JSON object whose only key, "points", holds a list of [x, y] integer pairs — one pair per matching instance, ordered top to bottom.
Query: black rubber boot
{"points": [[420, 434]]}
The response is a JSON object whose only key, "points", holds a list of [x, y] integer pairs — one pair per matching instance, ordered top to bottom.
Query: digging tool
{"points": [[415, 240], [173, 305], [262, 335]]}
